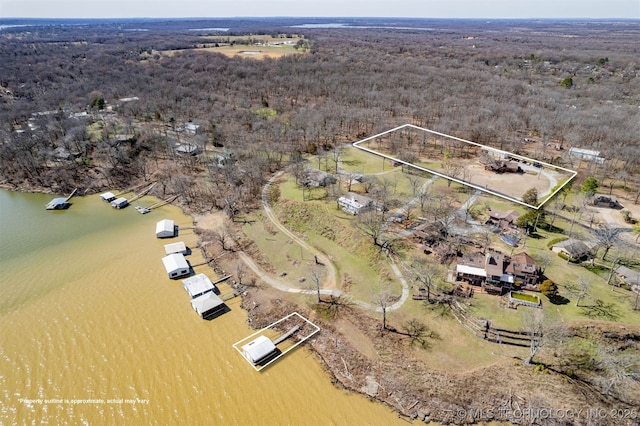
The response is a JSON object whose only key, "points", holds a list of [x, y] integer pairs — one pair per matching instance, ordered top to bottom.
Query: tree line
{"points": [[461, 79]]}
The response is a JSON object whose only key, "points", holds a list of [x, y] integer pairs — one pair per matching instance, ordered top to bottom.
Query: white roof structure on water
{"points": [[108, 196], [57, 203], [119, 203], [165, 228], [179, 247], [176, 265], [197, 285], [206, 303], [257, 349]]}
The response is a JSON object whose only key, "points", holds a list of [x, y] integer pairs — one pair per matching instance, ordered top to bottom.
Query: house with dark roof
{"points": [[314, 178], [503, 219], [574, 249], [524, 269], [497, 273]]}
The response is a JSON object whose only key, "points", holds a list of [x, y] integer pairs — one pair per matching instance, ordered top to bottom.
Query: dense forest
{"points": [[568, 84], [108, 105]]}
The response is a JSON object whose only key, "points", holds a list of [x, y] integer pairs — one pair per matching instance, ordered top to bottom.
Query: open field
{"points": [[256, 47], [458, 160], [359, 273]]}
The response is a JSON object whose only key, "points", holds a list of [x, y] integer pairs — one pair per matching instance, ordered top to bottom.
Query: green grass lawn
{"points": [[357, 161], [283, 254], [354, 257], [361, 274], [453, 348]]}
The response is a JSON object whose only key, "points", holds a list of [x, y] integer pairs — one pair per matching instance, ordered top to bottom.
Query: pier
{"points": [[143, 192], [60, 203], [145, 210], [260, 351]]}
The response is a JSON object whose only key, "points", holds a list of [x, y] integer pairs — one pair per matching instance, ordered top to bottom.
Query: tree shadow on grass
{"points": [[551, 228], [557, 299], [601, 309]]}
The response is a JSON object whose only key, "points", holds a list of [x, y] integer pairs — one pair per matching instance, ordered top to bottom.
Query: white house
{"points": [[189, 128], [586, 154], [119, 203], [353, 203], [166, 228], [179, 247], [176, 265], [197, 285], [207, 304], [258, 349]]}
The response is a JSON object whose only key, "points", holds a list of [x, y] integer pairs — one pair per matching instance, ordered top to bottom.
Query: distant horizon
{"points": [[367, 9], [214, 18]]}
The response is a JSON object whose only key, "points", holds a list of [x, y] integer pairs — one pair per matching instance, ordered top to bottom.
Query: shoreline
{"points": [[410, 388]]}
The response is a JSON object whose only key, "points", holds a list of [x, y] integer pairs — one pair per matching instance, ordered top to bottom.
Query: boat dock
{"points": [[60, 203], [145, 210], [260, 350]]}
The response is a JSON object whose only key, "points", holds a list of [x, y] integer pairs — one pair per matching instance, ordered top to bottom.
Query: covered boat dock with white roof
{"points": [[166, 228], [179, 247], [176, 265], [198, 285], [206, 305]]}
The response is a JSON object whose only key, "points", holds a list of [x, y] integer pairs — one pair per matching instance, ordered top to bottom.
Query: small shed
{"points": [[190, 149], [108, 197], [119, 203], [166, 228], [179, 247], [176, 265], [197, 285], [207, 304], [258, 349]]}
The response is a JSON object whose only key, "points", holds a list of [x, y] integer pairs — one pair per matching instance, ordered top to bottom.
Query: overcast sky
{"points": [[321, 8]]}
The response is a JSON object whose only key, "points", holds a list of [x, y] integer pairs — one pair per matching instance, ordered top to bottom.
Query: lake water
{"points": [[93, 331]]}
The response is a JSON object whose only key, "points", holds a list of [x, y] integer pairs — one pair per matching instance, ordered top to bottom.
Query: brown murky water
{"points": [[92, 331]]}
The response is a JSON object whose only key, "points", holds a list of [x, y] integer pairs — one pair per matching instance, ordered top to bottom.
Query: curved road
{"points": [[330, 281]]}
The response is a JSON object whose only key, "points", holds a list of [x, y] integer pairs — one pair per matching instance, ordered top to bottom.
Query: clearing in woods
{"points": [[468, 163]]}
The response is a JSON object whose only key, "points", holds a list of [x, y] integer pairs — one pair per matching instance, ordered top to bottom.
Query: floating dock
{"points": [[60, 203], [145, 210], [267, 345]]}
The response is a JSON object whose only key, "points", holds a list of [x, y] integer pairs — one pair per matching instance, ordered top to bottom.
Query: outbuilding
{"points": [[119, 203], [166, 228], [179, 247], [176, 265], [197, 285], [207, 305], [258, 349]]}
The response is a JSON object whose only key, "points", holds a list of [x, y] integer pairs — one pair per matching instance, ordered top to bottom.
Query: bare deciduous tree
{"points": [[607, 237]]}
